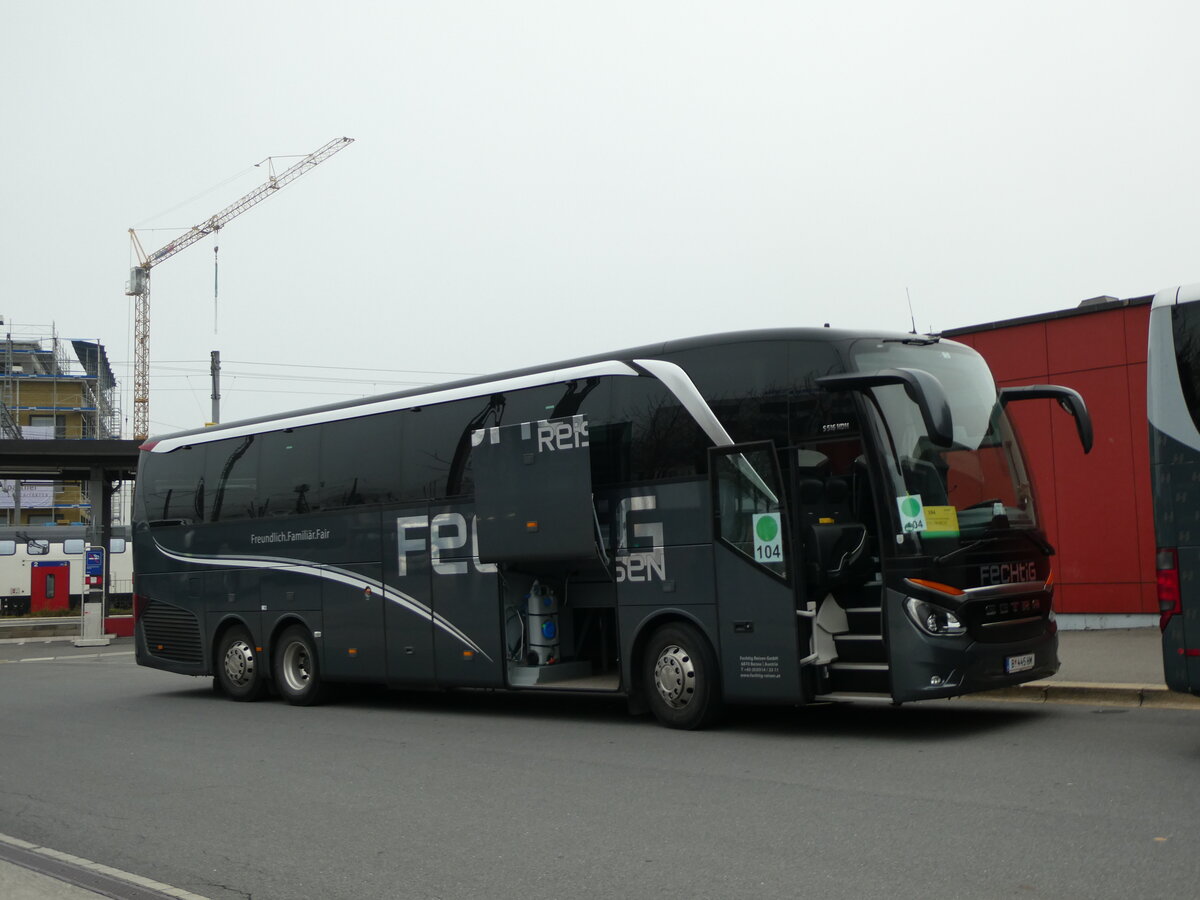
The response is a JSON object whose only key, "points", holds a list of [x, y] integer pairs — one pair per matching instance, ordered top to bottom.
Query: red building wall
{"points": [[1095, 508]]}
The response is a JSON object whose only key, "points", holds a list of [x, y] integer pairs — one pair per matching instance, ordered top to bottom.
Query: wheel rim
{"points": [[240, 665], [297, 667], [675, 676]]}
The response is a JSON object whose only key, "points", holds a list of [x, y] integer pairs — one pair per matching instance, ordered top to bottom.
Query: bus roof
{"points": [[621, 362]]}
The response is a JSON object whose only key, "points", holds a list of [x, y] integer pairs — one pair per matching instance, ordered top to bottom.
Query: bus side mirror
{"points": [[922, 388], [1068, 399]]}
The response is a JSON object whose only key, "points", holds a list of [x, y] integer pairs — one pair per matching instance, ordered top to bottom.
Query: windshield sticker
{"points": [[912, 513], [941, 521], [768, 538]]}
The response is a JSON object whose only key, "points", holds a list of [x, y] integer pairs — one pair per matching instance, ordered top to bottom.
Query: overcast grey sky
{"points": [[533, 181]]}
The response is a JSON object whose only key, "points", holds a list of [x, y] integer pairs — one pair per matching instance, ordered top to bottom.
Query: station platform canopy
{"points": [[69, 460]]}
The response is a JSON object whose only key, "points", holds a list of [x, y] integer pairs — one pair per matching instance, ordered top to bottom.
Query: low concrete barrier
{"points": [[62, 626]]}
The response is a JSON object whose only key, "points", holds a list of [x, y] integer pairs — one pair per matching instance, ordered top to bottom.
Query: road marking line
{"points": [[72, 656]]}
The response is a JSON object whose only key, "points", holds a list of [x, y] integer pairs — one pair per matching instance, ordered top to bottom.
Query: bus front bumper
{"points": [[925, 667]]}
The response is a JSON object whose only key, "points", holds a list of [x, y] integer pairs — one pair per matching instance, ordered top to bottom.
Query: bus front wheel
{"points": [[239, 666], [297, 673], [680, 677]]}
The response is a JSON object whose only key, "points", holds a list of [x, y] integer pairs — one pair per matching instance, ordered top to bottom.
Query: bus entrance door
{"points": [[841, 587], [764, 643]]}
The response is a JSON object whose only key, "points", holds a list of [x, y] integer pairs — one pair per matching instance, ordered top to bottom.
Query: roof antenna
{"points": [[910, 310]]}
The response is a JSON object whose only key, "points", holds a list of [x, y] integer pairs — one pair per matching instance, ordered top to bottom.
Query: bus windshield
{"points": [[977, 484]]}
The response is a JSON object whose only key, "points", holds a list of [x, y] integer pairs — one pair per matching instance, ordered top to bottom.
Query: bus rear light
{"points": [[1166, 562], [139, 605]]}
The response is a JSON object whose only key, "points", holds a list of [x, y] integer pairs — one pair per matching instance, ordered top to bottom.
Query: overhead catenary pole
{"points": [[139, 276], [215, 369]]}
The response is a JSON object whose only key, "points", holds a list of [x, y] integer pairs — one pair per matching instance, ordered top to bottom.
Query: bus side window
{"points": [[1185, 326], [747, 387], [593, 400], [533, 404], [650, 435], [429, 438], [360, 461], [288, 471], [460, 476], [231, 479], [172, 486], [8, 548]]}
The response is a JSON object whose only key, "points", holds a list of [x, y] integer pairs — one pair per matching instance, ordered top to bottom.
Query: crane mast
{"points": [[139, 275]]}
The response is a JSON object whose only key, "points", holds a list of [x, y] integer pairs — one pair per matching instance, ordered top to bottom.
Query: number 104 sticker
{"points": [[912, 513], [768, 537]]}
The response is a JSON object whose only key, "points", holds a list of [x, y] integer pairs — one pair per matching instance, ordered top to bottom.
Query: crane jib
{"points": [[139, 281]]}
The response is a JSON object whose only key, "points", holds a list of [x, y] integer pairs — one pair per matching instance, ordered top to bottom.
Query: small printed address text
{"points": [[759, 666]]}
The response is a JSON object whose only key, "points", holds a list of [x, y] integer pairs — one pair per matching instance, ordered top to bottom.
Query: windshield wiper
{"points": [[1030, 536], [1036, 539], [958, 551]]}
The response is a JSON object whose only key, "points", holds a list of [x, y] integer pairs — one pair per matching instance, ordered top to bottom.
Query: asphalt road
{"points": [[474, 795]]}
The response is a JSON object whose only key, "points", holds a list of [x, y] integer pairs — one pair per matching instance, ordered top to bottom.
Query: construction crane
{"points": [[139, 275]]}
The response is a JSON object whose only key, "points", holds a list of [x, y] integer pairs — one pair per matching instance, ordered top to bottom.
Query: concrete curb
{"points": [[1085, 693], [54, 874]]}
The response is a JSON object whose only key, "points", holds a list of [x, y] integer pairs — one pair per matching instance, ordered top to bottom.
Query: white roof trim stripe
{"points": [[1186, 293], [537, 379], [679, 383]]}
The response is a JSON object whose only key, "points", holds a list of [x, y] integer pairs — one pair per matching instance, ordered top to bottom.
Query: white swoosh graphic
{"points": [[331, 573]]}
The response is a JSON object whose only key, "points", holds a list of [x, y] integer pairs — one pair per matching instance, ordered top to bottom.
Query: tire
{"points": [[239, 666], [296, 668], [680, 679]]}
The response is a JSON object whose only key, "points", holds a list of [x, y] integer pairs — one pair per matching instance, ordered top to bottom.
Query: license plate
{"points": [[1022, 663]]}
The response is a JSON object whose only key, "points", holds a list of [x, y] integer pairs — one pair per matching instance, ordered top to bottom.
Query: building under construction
{"points": [[53, 388]]}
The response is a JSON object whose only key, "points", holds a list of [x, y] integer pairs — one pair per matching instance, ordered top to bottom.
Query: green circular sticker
{"points": [[911, 507], [767, 529]]}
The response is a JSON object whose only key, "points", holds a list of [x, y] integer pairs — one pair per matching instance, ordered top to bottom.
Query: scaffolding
{"points": [[54, 388]]}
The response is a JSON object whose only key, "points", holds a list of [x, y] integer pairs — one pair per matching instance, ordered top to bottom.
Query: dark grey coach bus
{"points": [[1173, 410], [786, 516]]}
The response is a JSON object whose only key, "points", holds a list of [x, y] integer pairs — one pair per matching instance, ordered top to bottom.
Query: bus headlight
{"points": [[932, 619]]}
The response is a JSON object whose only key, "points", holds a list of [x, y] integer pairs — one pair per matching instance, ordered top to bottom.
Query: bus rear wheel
{"points": [[239, 666], [297, 672], [679, 677]]}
